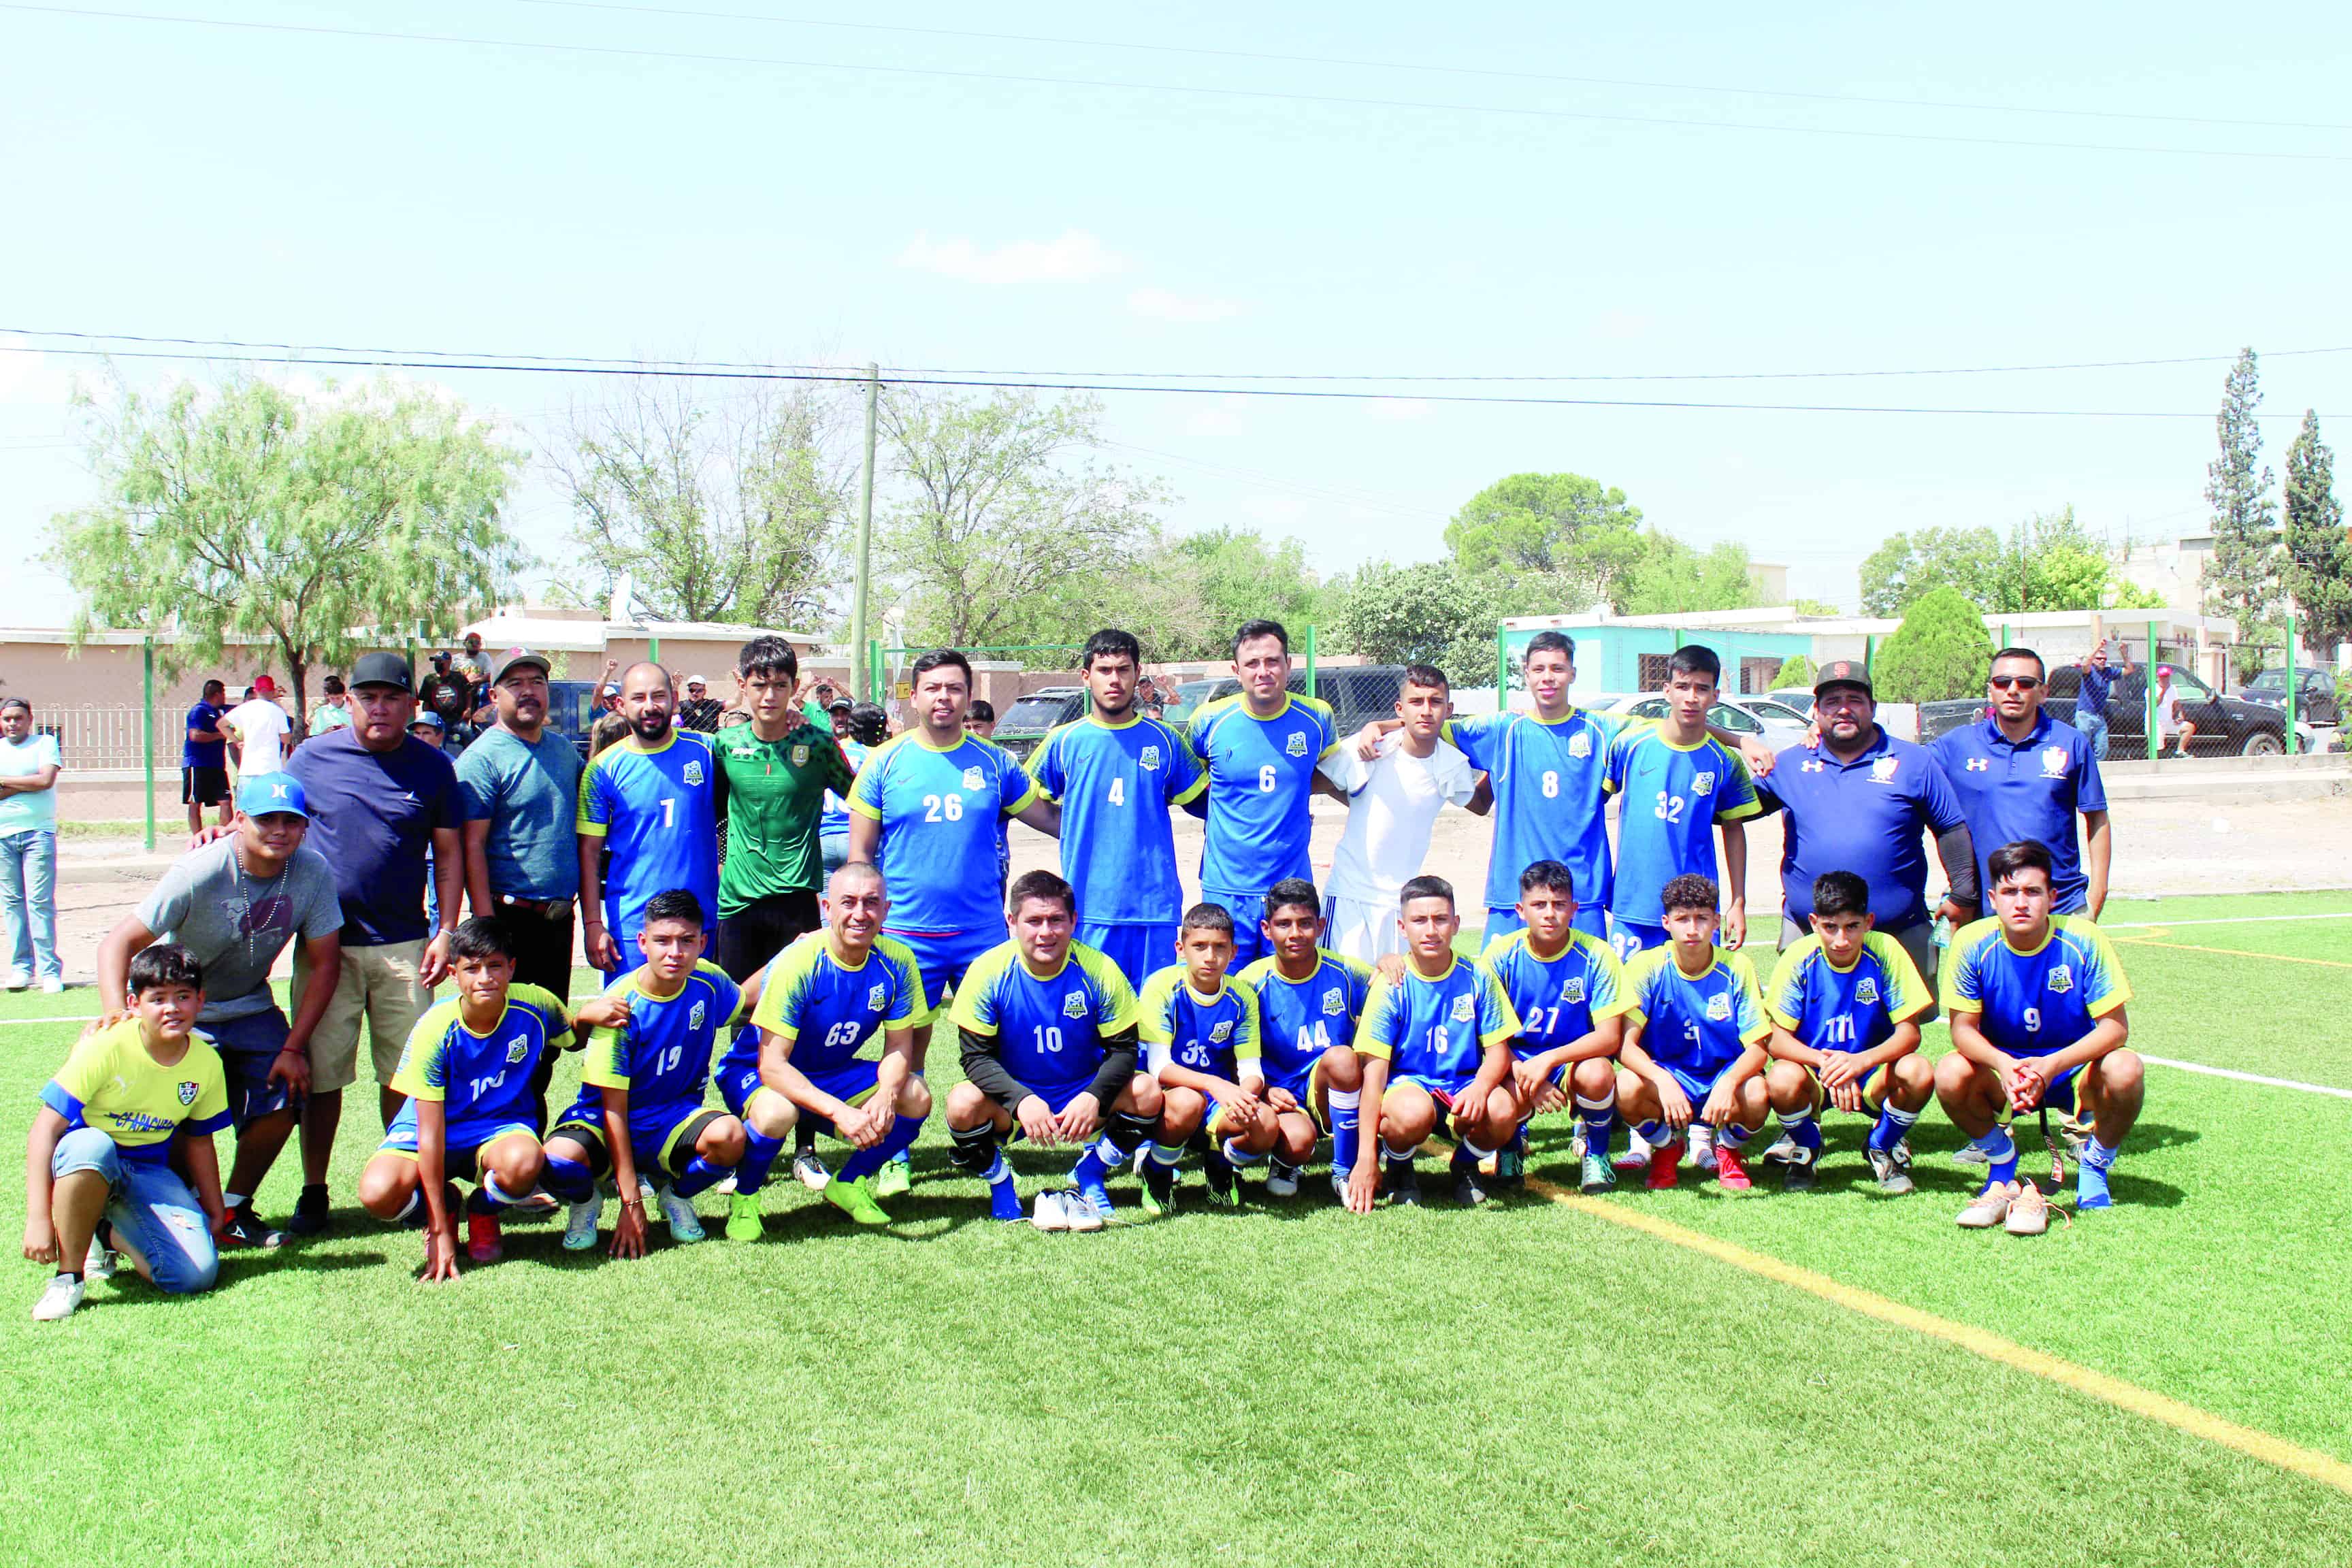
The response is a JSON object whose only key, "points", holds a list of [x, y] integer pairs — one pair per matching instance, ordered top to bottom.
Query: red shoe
{"points": [[1665, 1167], [1730, 1170], [483, 1244]]}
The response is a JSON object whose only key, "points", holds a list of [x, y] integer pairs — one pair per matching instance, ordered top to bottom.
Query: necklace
{"points": [[244, 901]]}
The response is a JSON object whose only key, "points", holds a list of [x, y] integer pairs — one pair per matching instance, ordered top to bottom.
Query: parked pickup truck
{"points": [[2225, 725]]}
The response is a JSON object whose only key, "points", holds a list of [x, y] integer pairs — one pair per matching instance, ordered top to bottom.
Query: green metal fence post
{"points": [[653, 647], [1869, 653], [1310, 660], [1502, 671], [2147, 679], [2290, 686], [147, 736]]}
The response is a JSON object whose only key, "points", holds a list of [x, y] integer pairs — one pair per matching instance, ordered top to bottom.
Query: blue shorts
{"points": [[1248, 911], [1590, 919], [1629, 937], [1135, 951], [944, 958], [247, 1046], [1522, 1051], [850, 1083], [1303, 1087], [1443, 1087], [1698, 1088], [2060, 1095], [660, 1136], [465, 1138], [149, 1207]]}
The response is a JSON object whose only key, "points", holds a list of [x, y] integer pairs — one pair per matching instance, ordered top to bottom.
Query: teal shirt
{"points": [[527, 792]]}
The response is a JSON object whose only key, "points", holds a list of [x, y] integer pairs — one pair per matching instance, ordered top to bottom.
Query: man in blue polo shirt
{"points": [[2091, 698], [2022, 775], [1864, 801]]}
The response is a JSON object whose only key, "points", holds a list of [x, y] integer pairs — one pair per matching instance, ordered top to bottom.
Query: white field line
{"points": [[2222, 920], [2250, 1077]]}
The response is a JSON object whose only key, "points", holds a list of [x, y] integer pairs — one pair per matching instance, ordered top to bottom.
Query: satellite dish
{"points": [[618, 610]]}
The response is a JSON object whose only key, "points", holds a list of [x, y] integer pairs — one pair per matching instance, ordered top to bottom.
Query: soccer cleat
{"points": [[1702, 1146], [1903, 1150], [1783, 1152], [1970, 1153], [1636, 1156], [1665, 1167], [1510, 1169], [1731, 1171], [811, 1172], [1894, 1174], [1596, 1175], [1801, 1176], [895, 1179], [1281, 1180], [1224, 1182], [1399, 1184], [725, 1186], [1159, 1188], [1467, 1192], [856, 1199], [1989, 1207], [2029, 1211], [1050, 1212], [310, 1213], [1083, 1216], [743, 1222], [580, 1223], [684, 1226], [245, 1229], [483, 1242], [99, 1267], [59, 1298]]}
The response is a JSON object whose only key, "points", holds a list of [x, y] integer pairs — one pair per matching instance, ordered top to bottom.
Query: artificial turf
{"points": [[1285, 1384]]}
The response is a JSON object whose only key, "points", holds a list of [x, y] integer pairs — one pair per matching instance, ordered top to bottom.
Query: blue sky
{"points": [[285, 187]]}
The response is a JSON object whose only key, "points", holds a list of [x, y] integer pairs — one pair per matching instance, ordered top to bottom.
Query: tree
{"points": [[1534, 521], [325, 524], [1007, 531], [2318, 551], [2054, 564], [1908, 565], [1240, 576], [1670, 578], [2242, 580], [1428, 613], [1939, 651], [1794, 673]]}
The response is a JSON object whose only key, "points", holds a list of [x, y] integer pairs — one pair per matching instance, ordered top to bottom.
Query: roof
{"points": [[554, 633]]}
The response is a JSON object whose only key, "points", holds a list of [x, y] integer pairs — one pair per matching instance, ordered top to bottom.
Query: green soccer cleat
{"points": [[1595, 1175], [893, 1180], [1159, 1189], [856, 1199], [743, 1222]]}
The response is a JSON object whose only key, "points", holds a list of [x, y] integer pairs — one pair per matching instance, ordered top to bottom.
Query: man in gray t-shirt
{"points": [[236, 904]]}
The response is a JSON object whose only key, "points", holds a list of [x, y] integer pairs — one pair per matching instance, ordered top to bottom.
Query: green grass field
{"points": [[1528, 1383]]}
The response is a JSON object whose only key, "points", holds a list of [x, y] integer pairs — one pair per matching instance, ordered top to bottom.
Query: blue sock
{"points": [[1344, 1105], [1599, 1119], [1891, 1127], [1803, 1129], [1656, 1134], [1733, 1136], [760, 1153], [2002, 1154], [1237, 1155], [866, 1162], [1088, 1173], [700, 1175], [2091, 1176], [569, 1180], [1003, 1197], [480, 1202]]}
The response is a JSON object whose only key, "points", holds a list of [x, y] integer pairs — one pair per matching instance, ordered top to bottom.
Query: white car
{"points": [[1776, 724]]}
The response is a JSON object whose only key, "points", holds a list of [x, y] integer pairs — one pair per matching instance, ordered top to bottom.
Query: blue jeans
{"points": [[2095, 730], [28, 902], [152, 1209]]}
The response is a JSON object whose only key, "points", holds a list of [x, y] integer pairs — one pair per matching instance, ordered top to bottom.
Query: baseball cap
{"points": [[515, 658], [382, 669], [1842, 672], [695, 681], [263, 685], [839, 705], [428, 718], [265, 793]]}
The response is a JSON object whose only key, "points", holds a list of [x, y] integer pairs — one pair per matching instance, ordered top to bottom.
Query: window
{"points": [[1652, 672], [1756, 675], [1649, 708], [1724, 716]]}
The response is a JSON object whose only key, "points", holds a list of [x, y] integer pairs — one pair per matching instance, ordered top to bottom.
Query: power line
{"points": [[1343, 100]]}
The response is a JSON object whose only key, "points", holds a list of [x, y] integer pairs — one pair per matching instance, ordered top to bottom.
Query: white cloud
{"points": [[1077, 257], [1161, 305], [1398, 410]]}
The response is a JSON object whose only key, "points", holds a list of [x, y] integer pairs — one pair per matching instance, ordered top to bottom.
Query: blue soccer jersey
{"points": [[1261, 775], [1116, 783], [2031, 789], [1674, 795], [1550, 797], [658, 812], [939, 812], [1558, 999], [2032, 1004], [1852, 1009], [830, 1010], [1298, 1020], [1695, 1025], [1049, 1030], [1437, 1031], [1214, 1035], [661, 1056], [480, 1079]]}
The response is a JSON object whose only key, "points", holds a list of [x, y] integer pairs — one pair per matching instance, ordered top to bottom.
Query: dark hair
{"points": [[1253, 630], [1548, 642], [1110, 643], [769, 656], [1695, 658], [938, 659], [2041, 671], [1426, 676], [334, 686], [222, 687], [8, 702], [983, 712], [868, 724], [2025, 855], [1552, 874], [1040, 884], [1425, 887], [1688, 892], [1290, 893], [1841, 893], [674, 904], [1209, 917], [479, 938], [165, 963]]}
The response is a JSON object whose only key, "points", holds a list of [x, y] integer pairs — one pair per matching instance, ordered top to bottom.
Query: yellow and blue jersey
{"points": [[1261, 775], [1116, 783], [1549, 783], [1672, 797], [658, 812], [940, 813], [1558, 999], [2030, 1003], [827, 1009], [1852, 1009], [1298, 1020], [1695, 1024], [1440, 1028], [1049, 1029], [1215, 1034], [662, 1055], [482, 1078], [111, 1083]]}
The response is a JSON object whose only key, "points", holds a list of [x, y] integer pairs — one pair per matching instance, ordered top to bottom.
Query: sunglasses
{"points": [[2022, 682]]}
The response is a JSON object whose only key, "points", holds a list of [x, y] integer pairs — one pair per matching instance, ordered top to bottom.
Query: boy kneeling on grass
{"points": [[1201, 1027], [1694, 1040], [98, 1166]]}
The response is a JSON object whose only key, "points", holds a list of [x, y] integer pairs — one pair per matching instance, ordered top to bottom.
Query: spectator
{"points": [[475, 668], [447, 693], [2091, 698], [701, 710], [333, 711], [982, 719], [2171, 723], [427, 727], [258, 728], [859, 728], [203, 759], [379, 800], [28, 847]]}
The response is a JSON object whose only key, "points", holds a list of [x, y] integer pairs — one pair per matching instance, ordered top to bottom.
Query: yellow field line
{"points": [[2228, 951], [2098, 1385]]}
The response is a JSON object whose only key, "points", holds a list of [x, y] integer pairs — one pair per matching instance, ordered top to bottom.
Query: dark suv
{"points": [[2315, 692], [1357, 693], [1021, 727]]}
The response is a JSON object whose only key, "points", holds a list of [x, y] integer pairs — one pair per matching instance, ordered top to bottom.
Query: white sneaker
{"points": [[19, 980], [53, 985], [1783, 1153], [811, 1172], [1281, 1180], [725, 1186], [1989, 1207], [2029, 1211], [1050, 1212], [1082, 1212], [580, 1223], [684, 1226], [99, 1267], [59, 1300]]}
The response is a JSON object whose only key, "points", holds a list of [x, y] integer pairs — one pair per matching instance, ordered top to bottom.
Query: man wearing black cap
{"points": [[379, 799]]}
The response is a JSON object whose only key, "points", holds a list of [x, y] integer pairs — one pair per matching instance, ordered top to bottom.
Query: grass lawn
{"points": [[1287, 1385]]}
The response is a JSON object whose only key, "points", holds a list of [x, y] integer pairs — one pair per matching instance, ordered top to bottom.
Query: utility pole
{"points": [[859, 664]]}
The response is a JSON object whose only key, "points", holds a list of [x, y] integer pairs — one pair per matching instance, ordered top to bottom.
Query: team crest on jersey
{"points": [[1296, 745], [1580, 746], [801, 755], [1147, 758], [2054, 761], [1980, 765], [1815, 766], [1883, 769], [693, 773], [971, 779], [1703, 785], [2062, 978], [1867, 992], [1571, 993], [875, 998], [1334, 1003], [1073, 1005], [1465, 1007], [1718, 1007], [694, 1016], [1217, 1036], [518, 1048], [187, 1092]]}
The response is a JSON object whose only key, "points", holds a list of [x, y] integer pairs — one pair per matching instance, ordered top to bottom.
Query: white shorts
{"points": [[1366, 932]]}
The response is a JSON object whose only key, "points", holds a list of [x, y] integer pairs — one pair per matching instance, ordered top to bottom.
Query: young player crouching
{"points": [[1568, 991], [1309, 1001], [1199, 1026], [1694, 1040]]}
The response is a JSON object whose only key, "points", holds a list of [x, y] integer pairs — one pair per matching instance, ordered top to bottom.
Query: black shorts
{"points": [[203, 786], [762, 929]]}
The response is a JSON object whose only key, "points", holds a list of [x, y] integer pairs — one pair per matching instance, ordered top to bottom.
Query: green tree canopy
{"points": [[1536, 522], [323, 524], [2319, 553], [1908, 565], [1670, 578], [2241, 581], [1428, 613], [1939, 651], [1794, 673]]}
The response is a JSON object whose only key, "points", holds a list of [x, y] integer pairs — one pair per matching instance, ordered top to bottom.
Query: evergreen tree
{"points": [[2318, 551], [2242, 580], [1939, 651]]}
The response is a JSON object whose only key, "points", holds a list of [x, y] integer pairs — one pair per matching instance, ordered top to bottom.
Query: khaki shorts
{"points": [[1919, 940], [375, 983]]}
